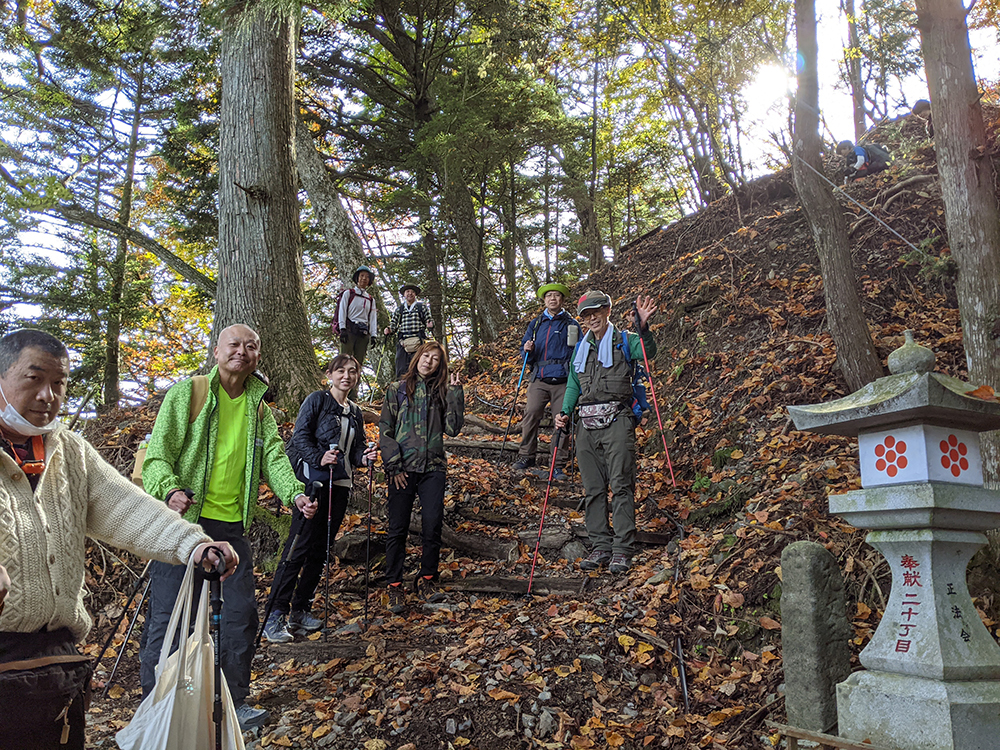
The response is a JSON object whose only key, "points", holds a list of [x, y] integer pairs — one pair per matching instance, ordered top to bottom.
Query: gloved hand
{"points": [[343, 336]]}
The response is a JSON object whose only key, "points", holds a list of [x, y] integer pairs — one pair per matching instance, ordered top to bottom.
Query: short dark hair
{"points": [[14, 343], [339, 361]]}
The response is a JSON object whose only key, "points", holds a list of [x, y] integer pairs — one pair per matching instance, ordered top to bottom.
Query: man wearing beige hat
{"points": [[412, 324], [600, 379]]}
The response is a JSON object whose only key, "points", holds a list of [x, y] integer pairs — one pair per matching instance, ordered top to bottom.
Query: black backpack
{"points": [[878, 155]]}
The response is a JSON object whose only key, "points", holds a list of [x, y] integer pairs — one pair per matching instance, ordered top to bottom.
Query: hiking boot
{"points": [[523, 464], [559, 476], [595, 560], [620, 563], [428, 590], [397, 598], [302, 620], [276, 629], [250, 717]]}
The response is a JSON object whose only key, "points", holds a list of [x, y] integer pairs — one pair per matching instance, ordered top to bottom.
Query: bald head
{"points": [[238, 352]]}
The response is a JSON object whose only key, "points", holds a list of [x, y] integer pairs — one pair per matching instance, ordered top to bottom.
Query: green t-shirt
{"points": [[223, 501]]}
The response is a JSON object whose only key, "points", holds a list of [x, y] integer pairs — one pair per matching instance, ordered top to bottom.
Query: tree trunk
{"points": [[853, 61], [968, 182], [586, 213], [341, 238], [431, 257], [260, 262], [489, 313], [113, 329], [855, 351]]}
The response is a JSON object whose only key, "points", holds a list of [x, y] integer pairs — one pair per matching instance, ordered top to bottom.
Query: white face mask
{"points": [[13, 419]]}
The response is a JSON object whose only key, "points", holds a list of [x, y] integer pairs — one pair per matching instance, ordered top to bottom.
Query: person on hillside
{"points": [[863, 161], [357, 318], [412, 323], [548, 344], [600, 379], [417, 412], [328, 443], [221, 454], [56, 490]]}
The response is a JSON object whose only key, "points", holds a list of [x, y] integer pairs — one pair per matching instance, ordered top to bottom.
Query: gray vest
{"points": [[599, 384]]}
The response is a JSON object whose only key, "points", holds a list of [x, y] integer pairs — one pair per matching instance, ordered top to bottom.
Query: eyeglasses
{"points": [[591, 313]]}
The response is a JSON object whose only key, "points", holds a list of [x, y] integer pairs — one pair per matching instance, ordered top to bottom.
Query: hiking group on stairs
{"points": [[215, 440]]}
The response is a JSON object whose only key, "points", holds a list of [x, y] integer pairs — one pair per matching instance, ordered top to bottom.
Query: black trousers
{"points": [[403, 359], [430, 488], [303, 566], [239, 613], [31, 700]]}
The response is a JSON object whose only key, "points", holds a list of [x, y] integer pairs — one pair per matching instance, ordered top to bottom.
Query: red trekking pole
{"points": [[652, 390], [548, 486]]}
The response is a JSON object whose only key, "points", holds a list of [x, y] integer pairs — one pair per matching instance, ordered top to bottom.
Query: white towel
{"points": [[605, 350]]}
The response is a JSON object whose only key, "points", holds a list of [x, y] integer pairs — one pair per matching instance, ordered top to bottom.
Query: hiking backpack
{"points": [[877, 154], [335, 324], [639, 375]]}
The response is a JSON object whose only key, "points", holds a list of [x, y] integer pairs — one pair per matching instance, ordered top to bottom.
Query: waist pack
{"points": [[411, 343], [599, 416]]}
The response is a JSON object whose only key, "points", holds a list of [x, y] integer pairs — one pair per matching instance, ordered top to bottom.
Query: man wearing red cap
{"points": [[600, 379]]}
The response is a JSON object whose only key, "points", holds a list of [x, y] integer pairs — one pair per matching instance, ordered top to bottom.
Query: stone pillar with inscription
{"points": [[932, 670]]}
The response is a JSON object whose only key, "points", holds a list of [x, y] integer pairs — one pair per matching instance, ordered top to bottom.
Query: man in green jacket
{"points": [[600, 378], [219, 451]]}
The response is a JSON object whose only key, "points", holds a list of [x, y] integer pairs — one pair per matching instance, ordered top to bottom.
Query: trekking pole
{"points": [[652, 390], [510, 419], [548, 486], [329, 523], [297, 524], [368, 547], [143, 576], [214, 577], [128, 633]]}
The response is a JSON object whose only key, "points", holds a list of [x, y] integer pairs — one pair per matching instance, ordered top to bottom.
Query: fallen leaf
{"points": [[768, 624], [626, 641], [499, 694], [614, 739], [376, 745]]}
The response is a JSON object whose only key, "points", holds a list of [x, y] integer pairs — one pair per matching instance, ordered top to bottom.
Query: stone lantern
{"points": [[932, 670]]}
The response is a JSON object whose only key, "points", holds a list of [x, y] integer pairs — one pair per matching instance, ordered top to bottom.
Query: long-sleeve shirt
{"points": [[359, 306], [410, 320], [573, 389], [43, 533]]}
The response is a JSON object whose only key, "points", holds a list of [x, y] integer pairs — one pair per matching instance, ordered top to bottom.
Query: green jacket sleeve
{"points": [[572, 387], [454, 413], [169, 433], [392, 457], [275, 466]]}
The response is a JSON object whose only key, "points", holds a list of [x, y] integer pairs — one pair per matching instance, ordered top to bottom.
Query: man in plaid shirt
{"points": [[412, 324]]}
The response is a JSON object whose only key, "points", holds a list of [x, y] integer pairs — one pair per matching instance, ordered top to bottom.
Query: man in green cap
{"points": [[357, 318], [548, 345], [600, 378]]}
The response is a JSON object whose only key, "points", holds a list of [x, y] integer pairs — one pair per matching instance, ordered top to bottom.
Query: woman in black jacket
{"points": [[328, 443]]}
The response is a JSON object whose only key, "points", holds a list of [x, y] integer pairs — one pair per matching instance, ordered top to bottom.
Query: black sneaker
{"points": [[523, 464], [595, 560], [620, 563], [428, 590], [397, 598], [301, 620]]}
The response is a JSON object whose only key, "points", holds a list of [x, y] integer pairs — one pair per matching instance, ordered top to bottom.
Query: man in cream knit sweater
{"points": [[55, 489]]}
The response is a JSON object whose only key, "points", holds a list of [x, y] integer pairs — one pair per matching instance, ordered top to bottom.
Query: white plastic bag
{"points": [[177, 715]]}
